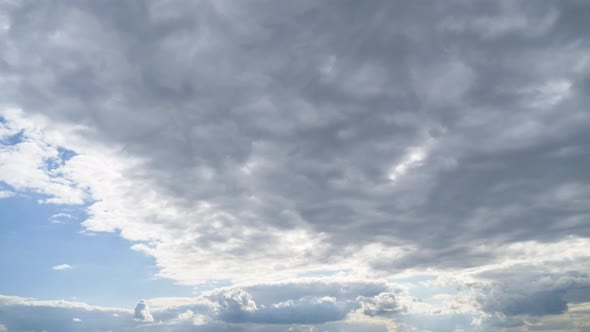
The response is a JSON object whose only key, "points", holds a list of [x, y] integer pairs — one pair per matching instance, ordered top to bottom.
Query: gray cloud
{"points": [[318, 116], [454, 131], [519, 294], [307, 301], [382, 304], [485, 305], [219, 310], [19, 314]]}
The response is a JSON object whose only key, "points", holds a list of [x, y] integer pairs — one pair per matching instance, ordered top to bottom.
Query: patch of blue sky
{"points": [[13, 139], [66, 154], [63, 156], [5, 186], [105, 271], [322, 273], [210, 285], [455, 322]]}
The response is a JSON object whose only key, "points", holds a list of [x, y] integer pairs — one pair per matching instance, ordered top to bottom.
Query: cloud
{"points": [[242, 142], [284, 150], [30, 163], [6, 194], [59, 217], [62, 267], [516, 295], [308, 301], [331, 304], [235, 305], [380, 305], [221, 309], [142, 312], [23, 314]]}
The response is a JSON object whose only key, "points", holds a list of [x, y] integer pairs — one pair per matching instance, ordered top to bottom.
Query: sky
{"points": [[302, 165]]}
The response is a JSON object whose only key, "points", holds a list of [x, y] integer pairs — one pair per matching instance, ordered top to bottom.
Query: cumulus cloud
{"points": [[333, 304], [382, 304], [236, 305], [220, 309], [142, 312]]}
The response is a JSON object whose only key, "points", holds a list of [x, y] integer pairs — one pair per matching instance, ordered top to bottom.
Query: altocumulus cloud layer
{"points": [[262, 144]]}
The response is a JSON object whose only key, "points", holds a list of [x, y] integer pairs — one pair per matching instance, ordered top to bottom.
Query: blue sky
{"points": [[294, 166], [104, 271]]}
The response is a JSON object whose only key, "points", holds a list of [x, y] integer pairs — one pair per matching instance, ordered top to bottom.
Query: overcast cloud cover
{"points": [[307, 165]]}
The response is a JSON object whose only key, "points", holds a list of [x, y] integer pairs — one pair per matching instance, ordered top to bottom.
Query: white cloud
{"points": [[413, 159], [24, 165], [6, 194], [61, 215], [62, 267], [6, 300], [142, 312]]}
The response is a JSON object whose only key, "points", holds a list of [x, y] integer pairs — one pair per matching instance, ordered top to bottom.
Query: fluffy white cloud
{"points": [[33, 163], [142, 312]]}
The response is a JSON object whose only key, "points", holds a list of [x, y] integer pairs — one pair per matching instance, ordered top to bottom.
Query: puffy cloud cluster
{"points": [[515, 296], [300, 301], [325, 304], [379, 305], [220, 309]]}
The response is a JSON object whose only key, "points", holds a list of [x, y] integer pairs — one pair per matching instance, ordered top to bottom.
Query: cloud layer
{"points": [[251, 142], [323, 304]]}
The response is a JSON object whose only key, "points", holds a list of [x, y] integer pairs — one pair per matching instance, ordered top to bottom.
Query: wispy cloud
{"points": [[6, 194], [62, 267]]}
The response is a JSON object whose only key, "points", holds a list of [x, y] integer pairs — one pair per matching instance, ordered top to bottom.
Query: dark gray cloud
{"points": [[323, 100], [536, 294], [519, 295]]}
